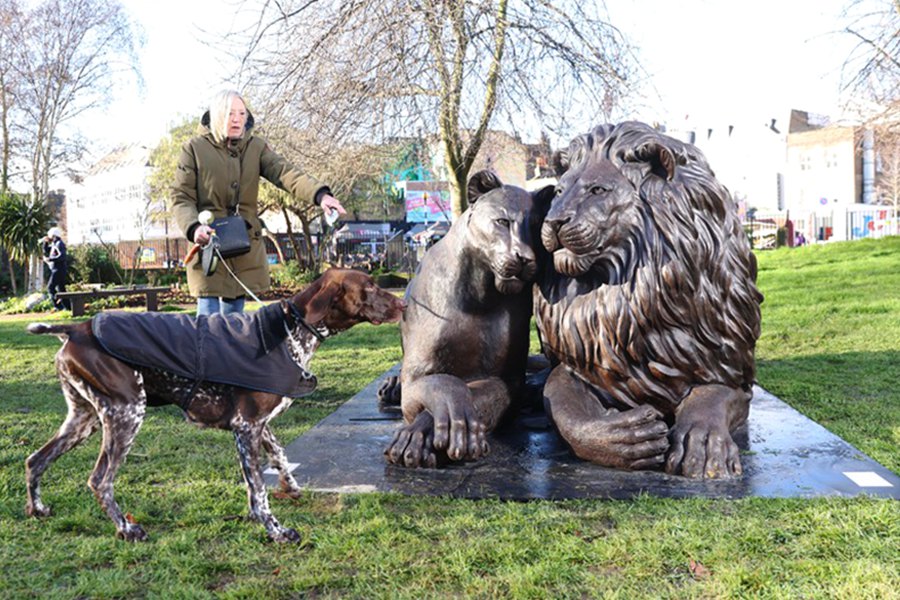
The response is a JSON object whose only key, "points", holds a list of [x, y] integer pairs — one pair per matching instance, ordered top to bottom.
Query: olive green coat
{"points": [[213, 176]]}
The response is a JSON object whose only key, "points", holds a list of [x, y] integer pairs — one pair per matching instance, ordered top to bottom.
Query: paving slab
{"points": [[784, 455]]}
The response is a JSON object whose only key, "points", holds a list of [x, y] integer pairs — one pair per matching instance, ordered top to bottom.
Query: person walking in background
{"points": [[219, 171], [54, 250]]}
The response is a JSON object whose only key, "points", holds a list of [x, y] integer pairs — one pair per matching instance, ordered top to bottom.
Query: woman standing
{"points": [[219, 171]]}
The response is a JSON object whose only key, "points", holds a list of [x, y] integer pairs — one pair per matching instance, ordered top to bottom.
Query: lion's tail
{"points": [[43, 329]]}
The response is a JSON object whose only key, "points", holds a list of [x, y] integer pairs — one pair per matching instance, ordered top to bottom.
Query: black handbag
{"points": [[233, 237], [230, 239]]}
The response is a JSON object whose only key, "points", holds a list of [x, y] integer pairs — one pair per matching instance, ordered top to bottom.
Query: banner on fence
{"points": [[426, 201]]}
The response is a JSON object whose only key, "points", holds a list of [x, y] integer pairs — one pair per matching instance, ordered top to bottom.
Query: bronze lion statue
{"points": [[649, 308], [465, 331]]}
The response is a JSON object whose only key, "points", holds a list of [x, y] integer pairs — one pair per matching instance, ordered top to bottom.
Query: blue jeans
{"points": [[207, 305]]}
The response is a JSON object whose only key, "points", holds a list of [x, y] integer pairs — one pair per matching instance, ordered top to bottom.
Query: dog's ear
{"points": [[480, 184], [318, 305]]}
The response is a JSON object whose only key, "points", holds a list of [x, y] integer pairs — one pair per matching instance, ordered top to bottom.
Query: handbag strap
{"points": [[237, 195], [234, 209]]}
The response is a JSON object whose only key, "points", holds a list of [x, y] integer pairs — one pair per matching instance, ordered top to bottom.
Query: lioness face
{"points": [[591, 219], [500, 227]]}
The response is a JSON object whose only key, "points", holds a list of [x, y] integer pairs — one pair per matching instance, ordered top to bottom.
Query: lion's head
{"points": [[501, 228], [652, 284]]}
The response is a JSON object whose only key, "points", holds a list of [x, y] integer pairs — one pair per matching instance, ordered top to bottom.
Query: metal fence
{"points": [[854, 222], [389, 252]]}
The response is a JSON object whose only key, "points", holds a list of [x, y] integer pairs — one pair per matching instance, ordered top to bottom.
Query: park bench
{"points": [[78, 299]]}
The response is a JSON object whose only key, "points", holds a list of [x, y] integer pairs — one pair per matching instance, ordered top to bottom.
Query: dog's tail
{"points": [[44, 329]]}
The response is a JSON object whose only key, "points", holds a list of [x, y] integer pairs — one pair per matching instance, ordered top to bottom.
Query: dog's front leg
{"points": [[247, 436], [278, 461]]}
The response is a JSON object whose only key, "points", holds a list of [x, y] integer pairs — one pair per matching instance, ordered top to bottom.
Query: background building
{"points": [[113, 204]]}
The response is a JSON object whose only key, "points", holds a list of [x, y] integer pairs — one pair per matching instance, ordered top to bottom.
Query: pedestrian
{"points": [[219, 171], [54, 250]]}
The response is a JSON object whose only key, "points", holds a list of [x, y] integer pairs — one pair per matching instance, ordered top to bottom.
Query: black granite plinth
{"points": [[784, 454]]}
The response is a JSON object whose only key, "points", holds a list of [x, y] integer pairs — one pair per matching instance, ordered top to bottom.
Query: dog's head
{"points": [[341, 298]]}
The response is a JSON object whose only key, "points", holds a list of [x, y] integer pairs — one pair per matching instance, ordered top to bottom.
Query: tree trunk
{"points": [[4, 126], [459, 157], [459, 200], [275, 243], [298, 256], [314, 257], [12, 275], [34, 276]]}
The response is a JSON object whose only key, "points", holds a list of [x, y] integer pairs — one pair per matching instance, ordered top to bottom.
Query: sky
{"points": [[725, 61], [711, 62]]}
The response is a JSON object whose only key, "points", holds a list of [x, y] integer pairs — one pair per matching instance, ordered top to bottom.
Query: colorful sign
{"points": [[427, 206]]}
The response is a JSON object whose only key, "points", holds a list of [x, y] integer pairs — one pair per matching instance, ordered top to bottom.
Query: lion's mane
{"points": [[675, 304]]}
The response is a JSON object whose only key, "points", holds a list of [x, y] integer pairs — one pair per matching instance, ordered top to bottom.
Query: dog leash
{"points": [[295, 312]]}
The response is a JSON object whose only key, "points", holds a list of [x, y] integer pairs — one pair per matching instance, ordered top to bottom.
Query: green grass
{"points": [[830, 347]]}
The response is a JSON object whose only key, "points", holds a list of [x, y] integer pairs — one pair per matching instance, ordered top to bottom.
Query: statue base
{"points": [[784, 455]]}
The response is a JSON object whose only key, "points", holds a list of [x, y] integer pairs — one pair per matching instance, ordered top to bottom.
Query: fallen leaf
{"points": [[276, 571], [698, 571]]}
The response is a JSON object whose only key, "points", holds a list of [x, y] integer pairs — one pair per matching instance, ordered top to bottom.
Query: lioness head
{"points": [[502, 225]]}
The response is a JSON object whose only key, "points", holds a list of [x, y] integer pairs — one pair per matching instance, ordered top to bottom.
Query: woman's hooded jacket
{"points": [[218, 177]]}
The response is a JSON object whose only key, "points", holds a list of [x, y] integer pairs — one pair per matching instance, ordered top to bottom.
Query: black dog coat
{"points": [[238, 349]]}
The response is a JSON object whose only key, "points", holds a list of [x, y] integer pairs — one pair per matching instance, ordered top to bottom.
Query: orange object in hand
{"points": [[194, 250]]}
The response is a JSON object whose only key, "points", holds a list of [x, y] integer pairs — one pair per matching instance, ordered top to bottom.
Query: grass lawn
{"points": [[830, 347]]}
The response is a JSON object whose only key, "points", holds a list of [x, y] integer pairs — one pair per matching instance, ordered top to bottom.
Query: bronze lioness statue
{"points": [[650, 306], [465, 332]]}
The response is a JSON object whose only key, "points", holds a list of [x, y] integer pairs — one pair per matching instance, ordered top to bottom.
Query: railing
{"points": [[854, 222]]}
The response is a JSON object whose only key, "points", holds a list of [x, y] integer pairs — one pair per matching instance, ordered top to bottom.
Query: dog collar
{"points": [[293, 313]]}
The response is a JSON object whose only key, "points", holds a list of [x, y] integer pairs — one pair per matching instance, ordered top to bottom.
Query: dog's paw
{"points": [[287, 494], [37, 510], [132, 533], [285, 535]]}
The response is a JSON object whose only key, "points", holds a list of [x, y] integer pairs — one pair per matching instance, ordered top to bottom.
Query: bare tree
{"points": [[10, 17], [70, 54], [66, 56], [376, 70], [872, 70], [871, 74], [887, 145]]}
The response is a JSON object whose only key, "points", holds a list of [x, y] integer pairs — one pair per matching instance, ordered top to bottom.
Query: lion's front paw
{"points": [[634, 439], [701, 442], [413, 444], [700, 451]]}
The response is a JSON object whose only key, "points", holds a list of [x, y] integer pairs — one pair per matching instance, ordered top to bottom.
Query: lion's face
{"points": [[593, 216], [501, 227]]}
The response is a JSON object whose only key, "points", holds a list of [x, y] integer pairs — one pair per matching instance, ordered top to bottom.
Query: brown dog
{"points": [[105, 391]]}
